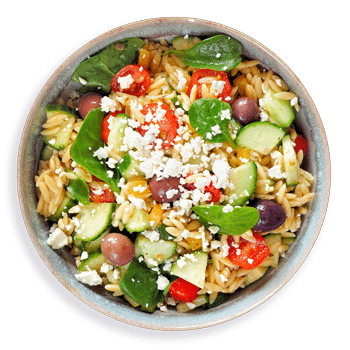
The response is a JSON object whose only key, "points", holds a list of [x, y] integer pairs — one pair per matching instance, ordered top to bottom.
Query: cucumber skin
{"points": [[290, 162], [96, 258]]}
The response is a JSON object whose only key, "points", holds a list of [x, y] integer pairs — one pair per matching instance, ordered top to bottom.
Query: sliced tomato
{"points": [[132, 79], [224, 87], [160, 114], [107, 121], [300, 143], [107, 196], [246, 254], [183, 290]]}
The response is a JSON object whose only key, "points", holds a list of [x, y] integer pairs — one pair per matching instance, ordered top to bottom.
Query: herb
{"points": [[219, 52], [97, 71], [209, 117], [87, 142], [79, 190], [235, 222], [140, 284]]}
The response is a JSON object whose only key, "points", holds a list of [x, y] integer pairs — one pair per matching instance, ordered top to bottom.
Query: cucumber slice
{"points": [[183, 43], [281, 111], [117, 133], [262, 137], [61, 138], [46, 152], [129, 167], [291, 167], [244, 180], [67, 203], [94, 219], [138, 222], [288, 240], [91, 246], [160, 251], [93, 262], [191, 267], [255, 274], [199, 301]]}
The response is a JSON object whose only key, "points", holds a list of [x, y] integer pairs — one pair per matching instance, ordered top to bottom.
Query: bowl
{"points": [[61, 263]]}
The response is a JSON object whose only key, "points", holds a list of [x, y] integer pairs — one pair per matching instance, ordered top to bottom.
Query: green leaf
{"points": [[220, 52], [97, 71], [209, 117], [87, 142], [79, 190], [235, 222]]}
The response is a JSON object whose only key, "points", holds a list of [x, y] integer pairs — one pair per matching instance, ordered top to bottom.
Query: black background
{"points": [[34, 297]]}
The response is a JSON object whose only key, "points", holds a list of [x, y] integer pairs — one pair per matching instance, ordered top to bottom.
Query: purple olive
{"points": [[88, 102], [245, 110], [165, 190], [272, 215], [117, 249]]}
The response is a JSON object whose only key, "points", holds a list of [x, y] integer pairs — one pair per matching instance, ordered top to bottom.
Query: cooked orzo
{"points": [[173, 171]]}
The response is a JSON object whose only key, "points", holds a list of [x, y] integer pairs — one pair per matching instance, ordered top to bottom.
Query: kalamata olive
{"points": [[88, 102], [245, 110], [165, 190], [272, 215], [117, 249]]}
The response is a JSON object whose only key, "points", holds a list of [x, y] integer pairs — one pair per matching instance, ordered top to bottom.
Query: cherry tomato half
{"points": [[220, 77], [132, 79], [162, 115], [107, 121], [300, 144], [215, 192], [107, 195], [248, 255], [183, 290]]}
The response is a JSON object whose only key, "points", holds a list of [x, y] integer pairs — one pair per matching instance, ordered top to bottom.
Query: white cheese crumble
{"points": [[125, 82], [108, 105], [276, 173], [57, 239], [92, 278], [162, 282]]}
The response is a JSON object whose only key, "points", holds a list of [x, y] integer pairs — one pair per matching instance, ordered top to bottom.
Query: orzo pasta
{"points": [[174, 177]]}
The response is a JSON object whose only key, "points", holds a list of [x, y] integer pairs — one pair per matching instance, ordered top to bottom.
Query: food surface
{"points": [[173, 172]]}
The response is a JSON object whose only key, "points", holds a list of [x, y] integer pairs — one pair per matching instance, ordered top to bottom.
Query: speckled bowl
{"points": [[61, 262]]}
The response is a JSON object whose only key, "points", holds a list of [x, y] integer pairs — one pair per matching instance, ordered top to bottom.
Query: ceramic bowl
{"points": [[61, 262]]}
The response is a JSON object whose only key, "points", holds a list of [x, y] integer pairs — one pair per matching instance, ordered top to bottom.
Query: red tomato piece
{"points": [[219, 76], [132, 79], [162, 115], [107, 121], [300, 144], [215, 192], [107, 195], [248, 255], [183, 290]]}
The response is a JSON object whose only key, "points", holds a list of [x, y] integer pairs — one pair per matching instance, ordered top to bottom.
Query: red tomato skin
{"points": [[201, 73], [141, 80], [105, 125], [168, 125], [300, 144], [215, 192], [107, 196], [257, 252], [183, 290]]}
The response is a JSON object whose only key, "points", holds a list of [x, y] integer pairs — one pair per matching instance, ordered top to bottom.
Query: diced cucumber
{"points": [[183, 42], [281, 111], [234, 127], [117, 133], [260, 136], [60, 139], [46, 152], [129, 167], [291, 167], [244, 180], [67, 203], [94, 219], [138, 222], [271, 239], [288, 240], [92, 245], [159, 251], [93, 262], [191, 267], [255, 274], [199, 301]]}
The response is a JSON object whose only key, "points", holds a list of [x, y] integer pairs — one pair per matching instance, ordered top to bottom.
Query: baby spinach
{"points": [[220, 52], [97, 71], [209, 117], [87, 142], [79, 190], [235, 222], [140, 284]]}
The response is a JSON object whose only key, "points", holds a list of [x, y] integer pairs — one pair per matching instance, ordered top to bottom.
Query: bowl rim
{"points": [[176, 322]]}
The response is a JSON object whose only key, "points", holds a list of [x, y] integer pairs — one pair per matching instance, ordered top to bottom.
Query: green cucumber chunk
{"points": [[184, 42], [117, 133], [262, 137], [291, 166], [129, 167], [244, 180], [67, 203], [94, 219], [138, 222], [92, 245], [94, 262], [255, 274], [199, 301]]}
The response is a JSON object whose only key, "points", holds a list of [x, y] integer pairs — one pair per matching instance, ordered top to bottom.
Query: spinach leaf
{"points": [[219, 52], [97, 71], [209, 117], [88, 141], [79, 190], [235, 222], [140, 284]]}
